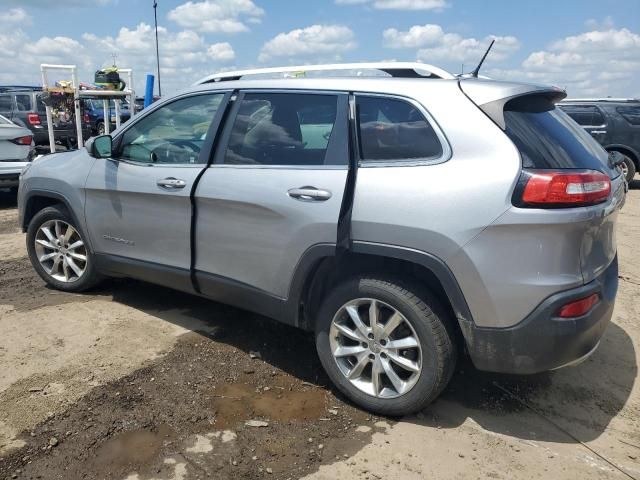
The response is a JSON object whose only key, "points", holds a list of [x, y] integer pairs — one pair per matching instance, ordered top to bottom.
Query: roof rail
{"points": [[395, 69], [606, 99]]}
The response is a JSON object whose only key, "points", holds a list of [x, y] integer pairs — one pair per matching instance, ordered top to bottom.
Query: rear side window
{"points": [[23, 102], [630, 114], [585, 115], [282, 129], [392, 129], [548, 139]]}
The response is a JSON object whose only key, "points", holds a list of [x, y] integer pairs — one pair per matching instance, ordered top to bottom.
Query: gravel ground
{"points": [[133, 381]]}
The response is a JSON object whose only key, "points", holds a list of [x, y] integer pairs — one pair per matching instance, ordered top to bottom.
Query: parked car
{"points": [[140, 102], [23, 105], [94, 110], [614, 123], [16, 150], [401, 220]]}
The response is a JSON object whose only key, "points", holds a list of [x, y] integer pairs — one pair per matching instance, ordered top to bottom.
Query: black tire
{"points": [[631, 168], [88, 279], [431, 324]]}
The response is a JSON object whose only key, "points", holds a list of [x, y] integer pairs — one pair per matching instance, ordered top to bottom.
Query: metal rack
{"points": [[394, 69], [78, 94]]}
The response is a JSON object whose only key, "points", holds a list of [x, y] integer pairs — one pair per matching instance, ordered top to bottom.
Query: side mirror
{"points": [[100, 147]]}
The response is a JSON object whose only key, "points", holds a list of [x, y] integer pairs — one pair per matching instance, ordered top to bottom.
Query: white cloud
{"points": [[436, 5], [217, 16], [15, 17], [417, 36], [316, 41], [436, 45], [221, 51], [185, 56], [598, 62]]}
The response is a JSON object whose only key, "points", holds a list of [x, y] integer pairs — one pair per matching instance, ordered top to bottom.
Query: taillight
{"points": [[33, 118], [85, 118], [26, 140], [561, 188], [577, 308]]}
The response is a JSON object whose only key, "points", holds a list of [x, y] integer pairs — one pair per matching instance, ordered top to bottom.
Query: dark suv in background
{"points": [[23, 105], [614, 123]]}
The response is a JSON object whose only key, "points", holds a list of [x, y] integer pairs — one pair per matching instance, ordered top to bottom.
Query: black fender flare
{"points": [[619, 146], [60, 199], [431, 262]]}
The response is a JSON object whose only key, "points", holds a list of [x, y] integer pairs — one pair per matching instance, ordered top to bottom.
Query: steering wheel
{"points": [[186, 143]]}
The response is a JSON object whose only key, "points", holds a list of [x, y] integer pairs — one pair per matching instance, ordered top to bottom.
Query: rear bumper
{"points": [[543, 341]]}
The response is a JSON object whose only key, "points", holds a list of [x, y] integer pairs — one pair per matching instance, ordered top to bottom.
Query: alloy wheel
{"points": [[61, 251], [376, 348]]}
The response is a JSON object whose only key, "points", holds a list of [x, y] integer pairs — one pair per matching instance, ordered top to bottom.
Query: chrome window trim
{"points": [[445, 156]]}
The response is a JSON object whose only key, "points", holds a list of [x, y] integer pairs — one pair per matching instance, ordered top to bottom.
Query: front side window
{"points": [[630, 114], [282, 129], [392, 129], [173, 134]]}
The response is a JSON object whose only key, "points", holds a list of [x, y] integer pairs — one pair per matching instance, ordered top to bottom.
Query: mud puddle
{"points": [[238, 402], [187, 415]]}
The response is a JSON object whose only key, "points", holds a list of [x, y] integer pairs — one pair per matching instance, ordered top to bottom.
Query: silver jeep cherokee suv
{"points": [[400, 218]]}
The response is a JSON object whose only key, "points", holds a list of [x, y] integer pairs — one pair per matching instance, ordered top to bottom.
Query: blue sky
{"points": [[588, 47]]}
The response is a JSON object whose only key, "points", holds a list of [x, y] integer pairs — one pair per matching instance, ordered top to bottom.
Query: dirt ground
{"points": [[137, 382]]}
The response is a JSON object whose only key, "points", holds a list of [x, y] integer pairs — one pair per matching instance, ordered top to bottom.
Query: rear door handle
{"points": [[598, 132], [171, 183], [309, 194]]}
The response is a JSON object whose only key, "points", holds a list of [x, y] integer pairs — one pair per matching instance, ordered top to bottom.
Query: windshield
{"points": [[549, 139]]}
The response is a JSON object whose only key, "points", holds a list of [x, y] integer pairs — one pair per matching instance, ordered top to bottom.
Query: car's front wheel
{"points": [[58, 251], [385, 345]]}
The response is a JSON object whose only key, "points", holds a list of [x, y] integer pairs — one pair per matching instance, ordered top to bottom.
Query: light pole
{"points": [[155, 16]]}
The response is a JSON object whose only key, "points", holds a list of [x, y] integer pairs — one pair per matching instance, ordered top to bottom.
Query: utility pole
{"points": [[155, 15]]}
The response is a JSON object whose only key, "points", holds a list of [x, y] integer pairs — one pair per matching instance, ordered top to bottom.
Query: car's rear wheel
{"points": [[628, 168], [58, 251], [384, 345]]}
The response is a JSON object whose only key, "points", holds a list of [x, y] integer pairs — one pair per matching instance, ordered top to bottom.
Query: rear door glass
{"points": [[585, 115], [282, 129], [548, 139]]}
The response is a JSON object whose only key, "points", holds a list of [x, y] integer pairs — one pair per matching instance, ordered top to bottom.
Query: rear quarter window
{"points": [[630, 114], [394, 129], [548, 139]]}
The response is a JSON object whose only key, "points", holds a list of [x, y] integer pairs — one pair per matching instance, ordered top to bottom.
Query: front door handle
{"points": [[598, 132], [171, 183], [309, 194]]}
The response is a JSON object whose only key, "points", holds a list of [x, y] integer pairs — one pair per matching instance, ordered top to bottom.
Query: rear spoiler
{"points": [[491, 96]]}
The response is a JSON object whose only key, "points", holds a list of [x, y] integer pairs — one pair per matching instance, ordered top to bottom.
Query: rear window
{"points": [[630, 114], [392, 129], [548, 139]]}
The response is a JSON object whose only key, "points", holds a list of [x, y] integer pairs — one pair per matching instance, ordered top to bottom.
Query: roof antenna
{"points": [[474, 74]]}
